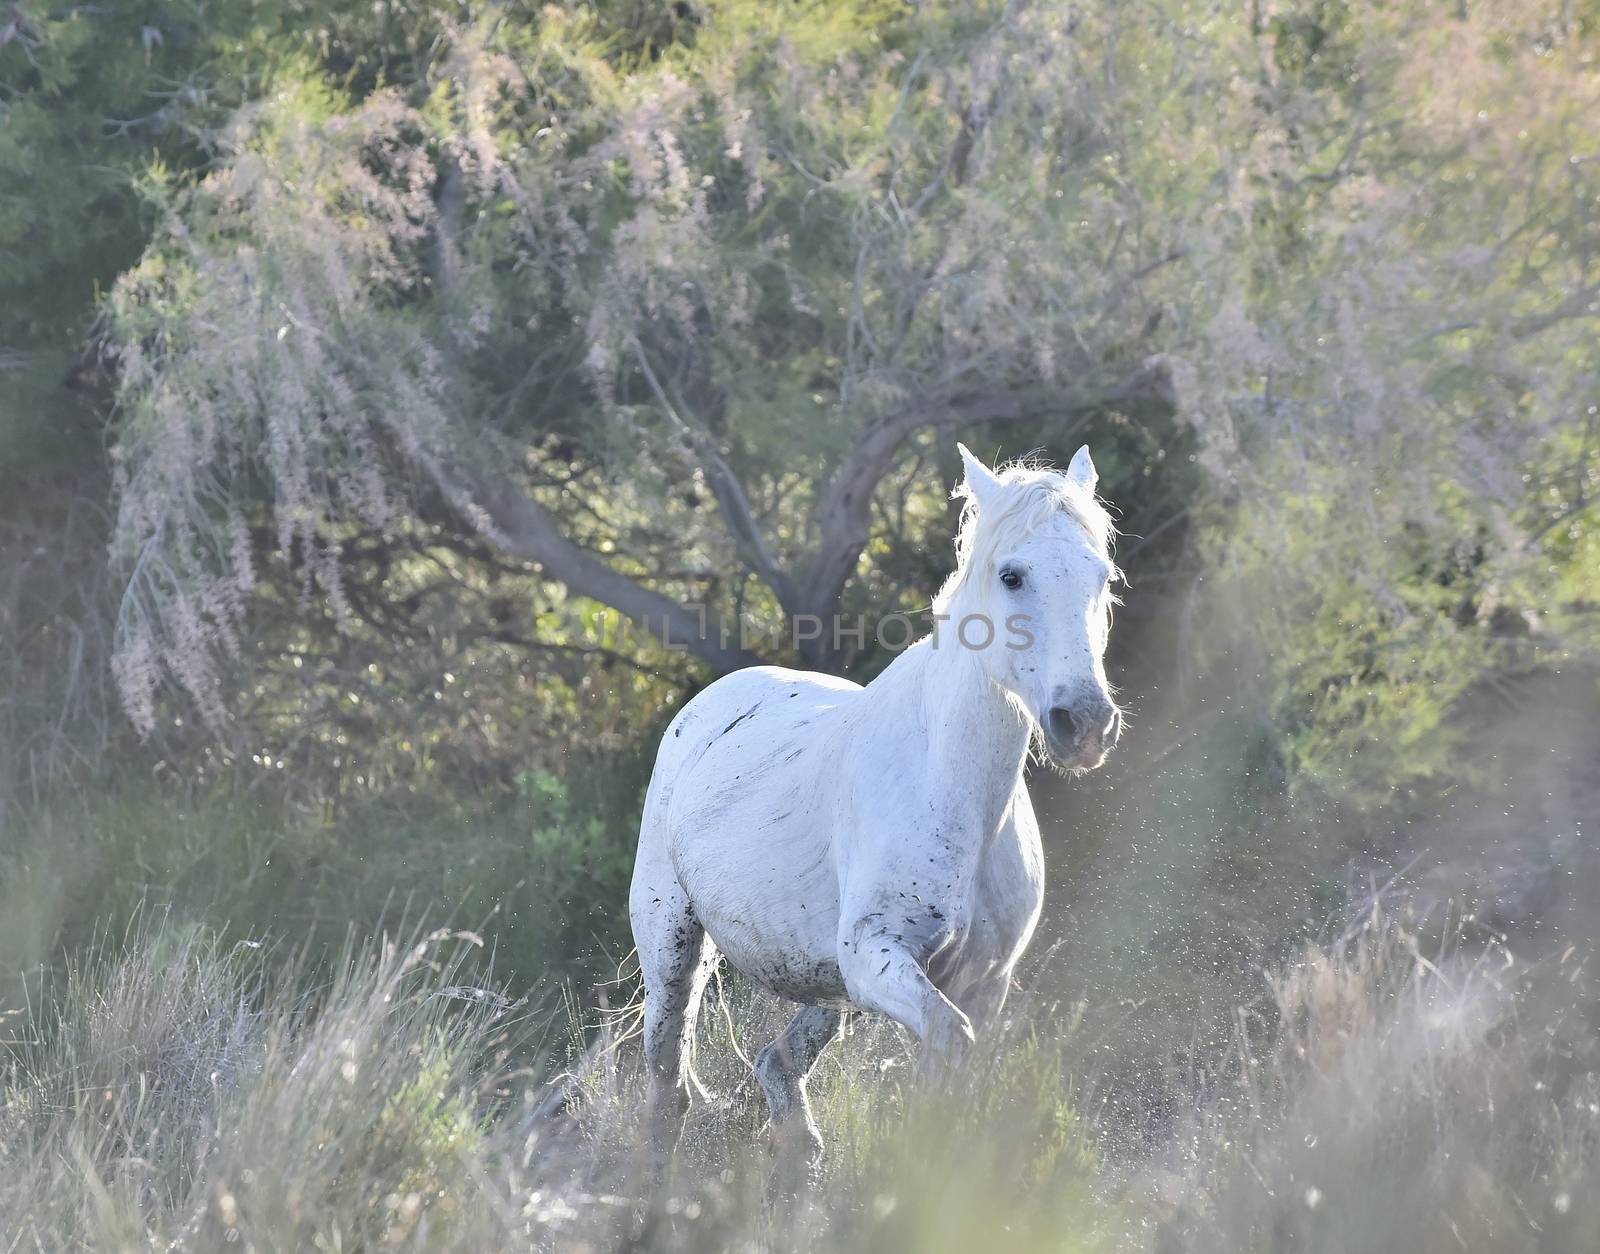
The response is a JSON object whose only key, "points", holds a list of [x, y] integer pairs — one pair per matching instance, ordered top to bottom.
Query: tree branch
{"points": [[730, 493], [499, 508], [844, 511]]}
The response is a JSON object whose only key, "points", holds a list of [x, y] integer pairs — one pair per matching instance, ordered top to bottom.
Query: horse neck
{"points": [[975, 738]]}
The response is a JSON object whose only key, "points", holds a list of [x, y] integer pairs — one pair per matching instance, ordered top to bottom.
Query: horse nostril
{"points": [[1063, 728]]}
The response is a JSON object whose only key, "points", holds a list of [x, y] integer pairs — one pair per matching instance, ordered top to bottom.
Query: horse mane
{"points": [[1033, 497]]}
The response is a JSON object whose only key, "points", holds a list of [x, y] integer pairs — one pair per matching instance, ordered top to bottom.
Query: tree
{"points": [[95, 100], [530, 306], [687, 323]]}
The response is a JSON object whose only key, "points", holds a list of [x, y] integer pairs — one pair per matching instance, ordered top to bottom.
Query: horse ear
{"points": [[1081, 471], [980, 483]]}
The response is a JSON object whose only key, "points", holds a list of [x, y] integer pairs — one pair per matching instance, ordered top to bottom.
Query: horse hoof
{"points": [[796, 1165]]}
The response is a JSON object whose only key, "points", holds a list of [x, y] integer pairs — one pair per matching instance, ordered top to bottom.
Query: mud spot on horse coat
{"points": [[735, 723]]}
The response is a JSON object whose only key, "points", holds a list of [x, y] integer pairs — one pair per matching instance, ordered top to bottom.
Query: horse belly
{"points": [[769, 898], [801, 967]]}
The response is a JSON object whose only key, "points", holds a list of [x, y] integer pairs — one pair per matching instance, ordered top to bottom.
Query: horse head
{"points": [[1034, 562]]}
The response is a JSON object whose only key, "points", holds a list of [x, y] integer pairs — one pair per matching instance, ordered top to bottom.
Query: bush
{"points": [[541, 870], [176, 1093], [1402, 1102]]}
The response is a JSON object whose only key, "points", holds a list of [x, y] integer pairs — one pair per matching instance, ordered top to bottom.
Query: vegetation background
{"points": [[383, 384]]}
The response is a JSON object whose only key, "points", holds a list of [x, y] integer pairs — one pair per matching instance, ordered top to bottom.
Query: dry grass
{"points": [[170, 1093], [1401, 1101]]}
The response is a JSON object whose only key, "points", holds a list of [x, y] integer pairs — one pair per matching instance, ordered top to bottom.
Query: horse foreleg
{"points": [[882, 973], [782, 1068]]}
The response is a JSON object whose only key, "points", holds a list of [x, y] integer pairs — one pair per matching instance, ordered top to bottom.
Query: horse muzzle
{"points": [[1079, 735]]}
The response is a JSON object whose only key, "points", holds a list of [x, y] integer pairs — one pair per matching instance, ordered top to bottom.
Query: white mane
{"points": [[1034, 498]]}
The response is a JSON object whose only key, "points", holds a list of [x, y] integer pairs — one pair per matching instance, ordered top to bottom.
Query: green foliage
{"points": [[103, 107], [704, 260], [686, 289], [1419, 376], [584, 861], [541, 872]]}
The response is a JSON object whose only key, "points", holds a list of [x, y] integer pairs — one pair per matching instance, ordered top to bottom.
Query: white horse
{"points": [[874, 848]]}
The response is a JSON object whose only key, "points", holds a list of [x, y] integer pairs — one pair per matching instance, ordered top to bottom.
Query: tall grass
{"points": [[178, 1092], [182, 1094], [1401, 1101]]}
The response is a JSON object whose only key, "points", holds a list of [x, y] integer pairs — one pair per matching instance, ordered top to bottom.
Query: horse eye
{"points": [[1011, 578]]}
